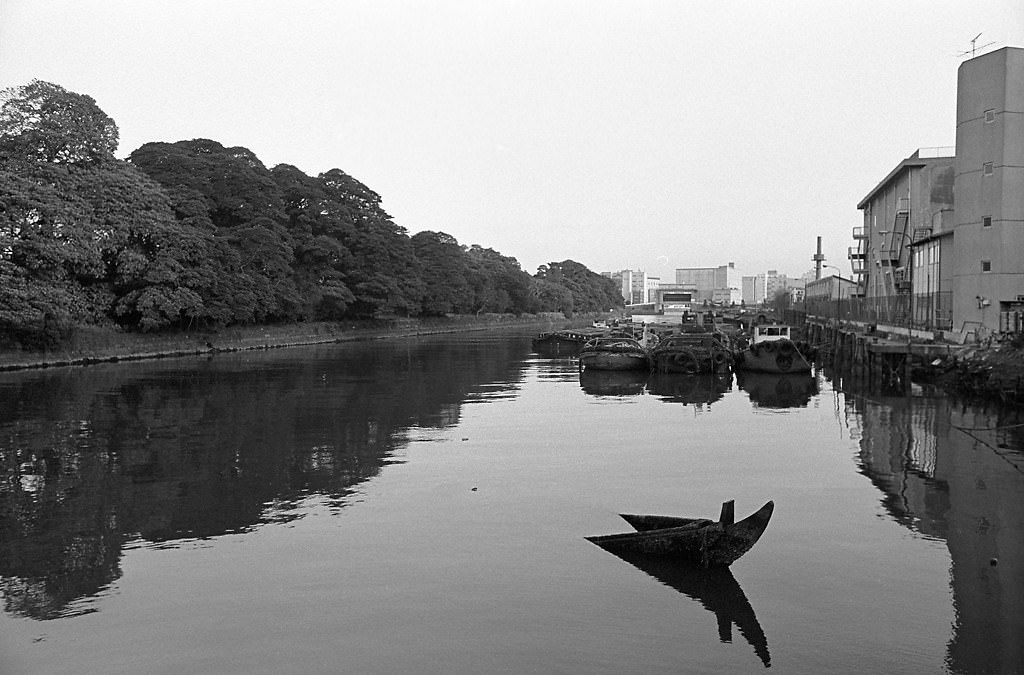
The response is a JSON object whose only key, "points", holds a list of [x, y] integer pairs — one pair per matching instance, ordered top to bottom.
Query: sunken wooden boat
{"points": [[614, 353], [692, 353], [696, 541]]}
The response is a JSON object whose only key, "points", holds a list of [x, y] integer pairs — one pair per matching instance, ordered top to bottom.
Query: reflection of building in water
{"points": [[967, 488]]}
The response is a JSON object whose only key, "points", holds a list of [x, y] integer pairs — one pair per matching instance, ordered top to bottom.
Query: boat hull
{"points": [[564, 342], [614, 353], [692, 354], [778, 356], [689, 362], [700, 542]]}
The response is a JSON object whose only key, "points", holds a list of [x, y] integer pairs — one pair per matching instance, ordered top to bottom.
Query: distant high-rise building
{"points": [[636, 286], [764, 287]]}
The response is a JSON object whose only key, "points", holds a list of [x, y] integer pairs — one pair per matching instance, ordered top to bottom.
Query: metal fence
{"points": [[931, 312]]}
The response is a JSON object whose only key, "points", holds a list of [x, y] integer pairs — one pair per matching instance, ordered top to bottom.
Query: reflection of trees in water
{"points": [[91, 458], [956, 473]]}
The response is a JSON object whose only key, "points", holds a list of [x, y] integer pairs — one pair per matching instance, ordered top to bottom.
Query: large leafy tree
{"points": [[44, 122], [240, 203], [317, 226], [79, 227], [444, 270], [382, 276], [500, 284], [590, 291], [552, 297]]}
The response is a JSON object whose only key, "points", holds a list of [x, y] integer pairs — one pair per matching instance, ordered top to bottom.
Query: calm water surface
{"points": [[420, 506]]}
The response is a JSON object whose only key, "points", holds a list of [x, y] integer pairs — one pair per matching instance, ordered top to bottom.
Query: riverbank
{"points": [[103, 345], [992, 372]]}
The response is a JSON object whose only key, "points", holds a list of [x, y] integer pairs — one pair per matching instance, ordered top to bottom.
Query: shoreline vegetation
{"points": [[195, 234], [105, 345]]}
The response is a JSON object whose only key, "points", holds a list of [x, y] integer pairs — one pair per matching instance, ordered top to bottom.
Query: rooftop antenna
{"points": [[974, 47]]}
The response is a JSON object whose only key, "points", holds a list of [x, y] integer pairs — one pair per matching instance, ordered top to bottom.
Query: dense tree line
{"points": [[193, 235]]}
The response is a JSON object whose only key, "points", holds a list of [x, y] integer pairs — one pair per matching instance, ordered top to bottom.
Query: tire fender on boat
{"points": [[687, 362]]}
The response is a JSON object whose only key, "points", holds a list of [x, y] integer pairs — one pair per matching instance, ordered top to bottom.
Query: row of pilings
{"points": [[861, 354], [880, 361], [871, 362]]}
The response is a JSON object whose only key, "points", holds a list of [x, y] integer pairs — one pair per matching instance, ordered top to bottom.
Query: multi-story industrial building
{"points": [[912, 205], [943, 236], [987, 265], [722, 284]]}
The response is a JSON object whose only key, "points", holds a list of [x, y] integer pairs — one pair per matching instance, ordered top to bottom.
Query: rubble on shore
{"points": [[991, 372]]}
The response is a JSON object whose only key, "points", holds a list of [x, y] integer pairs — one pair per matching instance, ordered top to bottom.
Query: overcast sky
{"points": [[641, 135]]}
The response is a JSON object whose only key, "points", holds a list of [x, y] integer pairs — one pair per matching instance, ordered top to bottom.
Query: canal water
{"points": [[420, 506]]}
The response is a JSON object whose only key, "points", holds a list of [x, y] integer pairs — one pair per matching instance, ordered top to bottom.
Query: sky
{"points": [[645, 135]]}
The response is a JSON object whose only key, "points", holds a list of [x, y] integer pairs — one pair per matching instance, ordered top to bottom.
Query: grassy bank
{"points": [[96, 345]]}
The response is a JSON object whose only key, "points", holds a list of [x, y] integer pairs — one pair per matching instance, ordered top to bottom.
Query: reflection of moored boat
{"points": [[773, 350], [614, 353], [692, 353], [613, 382], [693, 389], [774, 390], [697, 541], [716, 590]]}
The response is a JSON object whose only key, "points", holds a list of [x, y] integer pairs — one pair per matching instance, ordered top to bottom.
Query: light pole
{"points": [[839, 291], [839, 298]]}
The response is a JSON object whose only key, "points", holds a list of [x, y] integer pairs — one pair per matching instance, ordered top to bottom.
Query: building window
{"points": [[990, 115], [986, 168], [986, 221], [986, 265]]}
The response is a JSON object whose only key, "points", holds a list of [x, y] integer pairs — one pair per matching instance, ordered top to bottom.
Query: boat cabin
{"points": [[770, 333]]}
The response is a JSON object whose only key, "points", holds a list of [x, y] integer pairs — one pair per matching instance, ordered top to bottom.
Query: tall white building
{"points": [[636, 286], [764, 287]]}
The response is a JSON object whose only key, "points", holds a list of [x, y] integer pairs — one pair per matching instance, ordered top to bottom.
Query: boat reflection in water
{"points": [[613, 382], [692, 389], [774, 390], [715, 589]]}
